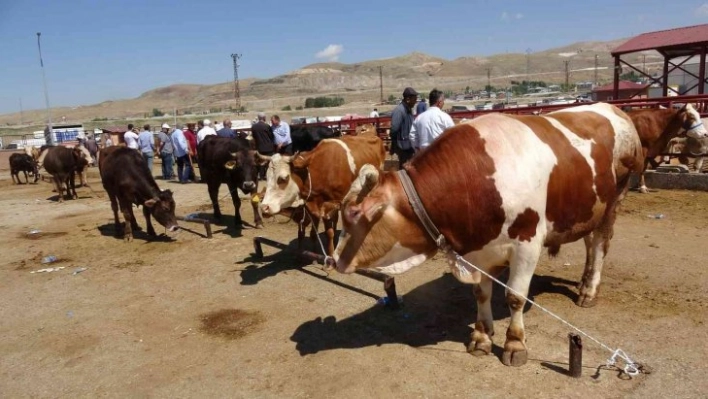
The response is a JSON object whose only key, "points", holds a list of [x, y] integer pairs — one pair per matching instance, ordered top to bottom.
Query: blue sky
{"points": [[104, 50]]}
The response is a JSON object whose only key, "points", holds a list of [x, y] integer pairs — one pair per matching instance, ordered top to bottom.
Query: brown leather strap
{"points": [[419, 210]]}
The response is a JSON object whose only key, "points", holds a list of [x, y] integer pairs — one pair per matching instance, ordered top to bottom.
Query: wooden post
{"points": [[575, 355]]}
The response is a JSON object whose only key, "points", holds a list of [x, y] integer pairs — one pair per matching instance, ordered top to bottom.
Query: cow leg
{"points": [[697, 164], [12, 174], [26, 177], [71, 182], [642, 184], [59, 186], [214, 196], [127, 210], [257, 219], [116, 220], [133, 222], [148, 222], [238, 222], [301, 227], [313, 233], [596, 248], [522, 267], [481, 344]]}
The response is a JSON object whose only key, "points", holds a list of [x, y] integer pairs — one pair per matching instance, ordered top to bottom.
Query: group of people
{"points": [[412, 131], [179, 145]]}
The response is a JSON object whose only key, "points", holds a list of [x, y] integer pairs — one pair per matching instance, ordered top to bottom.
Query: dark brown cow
{"points": [[656, 127], [23, 163], [63, 163], [319, 179], [128, 181], [499, 188]]}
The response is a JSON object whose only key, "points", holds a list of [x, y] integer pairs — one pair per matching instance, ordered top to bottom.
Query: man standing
{"points": [[421, 107], [374, 113], [401, 123], [431, 123], [207, 130], [226, 131], [281, 133], [131, 137], [191, 138], [264, 139], [107, 141], [146, 144], [92, 147], [166, 150], [181, 152]]}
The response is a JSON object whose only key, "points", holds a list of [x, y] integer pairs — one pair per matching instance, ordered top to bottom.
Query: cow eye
{"points": [[283, 179]]}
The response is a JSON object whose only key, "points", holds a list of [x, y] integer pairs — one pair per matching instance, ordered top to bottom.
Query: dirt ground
{"points": [[194, 317]]}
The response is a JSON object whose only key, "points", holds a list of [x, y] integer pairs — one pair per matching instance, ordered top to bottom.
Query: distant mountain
{"points": [[359, 82]]}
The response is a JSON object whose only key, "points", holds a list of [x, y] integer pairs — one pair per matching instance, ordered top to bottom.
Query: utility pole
{"points": [[644, 63], [596, 68], [567, 74], [381, 82], [489, 83], [237, 91], [48, 135]]}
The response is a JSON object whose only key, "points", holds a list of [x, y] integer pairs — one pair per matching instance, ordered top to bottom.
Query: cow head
{"points": [[691, 122], [243, 161], [281, 191], [162, 208], [379, 228]]}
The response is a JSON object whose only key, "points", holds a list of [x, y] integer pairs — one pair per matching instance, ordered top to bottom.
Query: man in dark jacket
{"points": [[401, 123], [264, 139]]}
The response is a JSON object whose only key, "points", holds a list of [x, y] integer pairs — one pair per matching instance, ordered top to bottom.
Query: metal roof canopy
{"points": [[673, 43]]}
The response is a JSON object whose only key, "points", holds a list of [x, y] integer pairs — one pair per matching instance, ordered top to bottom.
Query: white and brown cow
{"points": [[657, 127], [319, 180], [499, 188]]}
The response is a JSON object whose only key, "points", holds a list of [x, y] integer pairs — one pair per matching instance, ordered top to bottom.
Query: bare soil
{"points": [[186, 316]]}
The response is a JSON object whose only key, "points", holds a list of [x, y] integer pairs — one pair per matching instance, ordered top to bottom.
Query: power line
{"points": [[528, 61], [596, 67], [567, 74], [489, 82], [237, 91]]}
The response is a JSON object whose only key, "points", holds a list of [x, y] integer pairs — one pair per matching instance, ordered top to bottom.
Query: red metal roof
{"points": [[678, 37], [623, 85]]}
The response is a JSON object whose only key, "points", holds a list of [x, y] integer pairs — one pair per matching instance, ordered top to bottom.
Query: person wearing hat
{"points": [[401, 123], [207, 130], [166, 151]]}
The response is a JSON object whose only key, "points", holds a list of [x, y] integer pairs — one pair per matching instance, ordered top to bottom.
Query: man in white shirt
{"points": [[374, 113], [431, 123], [207, 130], [131, 137]]}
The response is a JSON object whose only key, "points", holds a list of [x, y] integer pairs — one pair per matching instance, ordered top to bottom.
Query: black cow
{"points": [[306, 138], [230, 161], [62, 162], [23, 163], [128, 181]]}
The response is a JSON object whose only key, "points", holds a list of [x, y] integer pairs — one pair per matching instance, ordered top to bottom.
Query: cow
{"points": [[656, 127], [306, 138], [689, 147], [32, 151], [84, 154], [230, 161], [23, 163], [63, 163], [127, 180], [319, 180], [498, 188]]}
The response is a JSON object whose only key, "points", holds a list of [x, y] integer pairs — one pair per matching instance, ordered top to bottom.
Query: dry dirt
{"points": [[196, 317]]}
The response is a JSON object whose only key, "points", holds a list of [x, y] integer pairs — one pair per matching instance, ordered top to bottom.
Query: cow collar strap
{"points": [[419, 210]]}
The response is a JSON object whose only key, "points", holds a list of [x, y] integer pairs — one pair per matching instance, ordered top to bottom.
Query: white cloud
{"points": [[702, 11], [505, 16], [331, 52]]}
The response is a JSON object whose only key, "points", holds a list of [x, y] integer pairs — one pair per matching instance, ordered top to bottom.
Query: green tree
{"points": [[286, 108], [157, 112]]}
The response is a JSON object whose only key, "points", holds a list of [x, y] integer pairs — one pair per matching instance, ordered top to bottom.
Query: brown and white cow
{"points": [[656, 127], [686, 147], [319, 180], [499, 188]]}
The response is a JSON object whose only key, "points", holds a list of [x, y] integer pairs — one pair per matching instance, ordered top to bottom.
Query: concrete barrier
{"points": [[668, 181]]}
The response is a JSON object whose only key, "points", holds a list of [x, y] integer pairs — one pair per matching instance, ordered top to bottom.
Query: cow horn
{"points": [[233, 154], [263, 157], [361, 186]]}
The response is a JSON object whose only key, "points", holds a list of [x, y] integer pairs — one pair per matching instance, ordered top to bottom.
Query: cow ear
{"points": [[150, 203], [373, 208]]}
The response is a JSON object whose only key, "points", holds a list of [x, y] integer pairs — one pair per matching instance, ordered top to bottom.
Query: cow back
{"points": [[60, 161]]}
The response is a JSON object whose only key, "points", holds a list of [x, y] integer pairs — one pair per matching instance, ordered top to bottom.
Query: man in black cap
{"points": [[401, 123]]}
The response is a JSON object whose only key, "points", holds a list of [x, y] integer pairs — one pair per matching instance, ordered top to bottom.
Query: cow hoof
{"points": [[643, 190], [260, 226], [128, 238], [586, 302], [479, 348], [515, 359]]}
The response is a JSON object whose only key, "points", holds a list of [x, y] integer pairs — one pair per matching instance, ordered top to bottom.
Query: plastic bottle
{"points": [[49, 259]]}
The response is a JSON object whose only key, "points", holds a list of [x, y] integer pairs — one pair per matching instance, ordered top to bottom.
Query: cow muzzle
{"points": [[249, 186], [173, 228]]}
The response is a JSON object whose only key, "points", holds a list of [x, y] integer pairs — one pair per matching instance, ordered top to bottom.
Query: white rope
{"points": [[312, 220], [631, 368]]}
